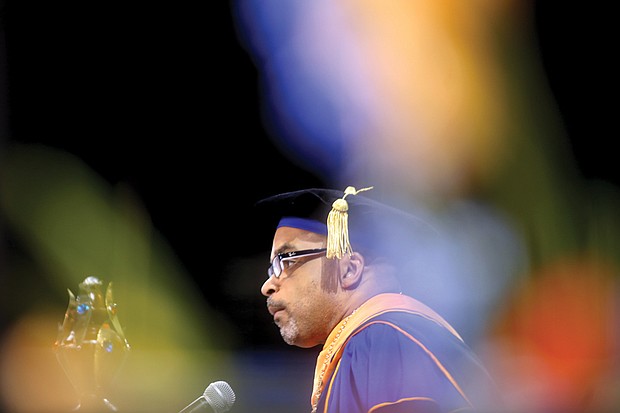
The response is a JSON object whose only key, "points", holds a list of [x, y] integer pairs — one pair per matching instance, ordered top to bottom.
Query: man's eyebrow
{"points": [[285, 248]]}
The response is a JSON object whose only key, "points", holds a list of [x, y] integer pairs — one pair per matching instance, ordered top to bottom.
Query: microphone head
{"points": [[220, 396]]}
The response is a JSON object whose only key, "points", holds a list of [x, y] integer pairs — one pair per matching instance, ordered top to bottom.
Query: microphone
{"points": [[218, 395]]}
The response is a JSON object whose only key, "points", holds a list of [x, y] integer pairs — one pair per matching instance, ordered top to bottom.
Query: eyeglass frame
{"points": [[276, 271]]}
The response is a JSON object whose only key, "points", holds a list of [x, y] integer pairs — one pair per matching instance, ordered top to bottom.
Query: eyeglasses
{"points": [[284, 260]]}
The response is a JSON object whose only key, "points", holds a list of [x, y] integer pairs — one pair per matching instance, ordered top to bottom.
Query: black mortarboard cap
{"points": [[349, 220]]}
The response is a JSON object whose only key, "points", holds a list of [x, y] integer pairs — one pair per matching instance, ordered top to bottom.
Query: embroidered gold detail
{"points": [[327, 358]]}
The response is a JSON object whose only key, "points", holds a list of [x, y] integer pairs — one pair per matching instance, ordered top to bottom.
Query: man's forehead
{"points": [[292, 235], [292, 239]]}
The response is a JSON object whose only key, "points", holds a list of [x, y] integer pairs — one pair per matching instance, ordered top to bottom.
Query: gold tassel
{"points": [[338, 225]]}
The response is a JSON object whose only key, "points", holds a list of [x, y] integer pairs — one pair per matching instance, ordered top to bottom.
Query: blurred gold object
{"points": [[91, 346]]}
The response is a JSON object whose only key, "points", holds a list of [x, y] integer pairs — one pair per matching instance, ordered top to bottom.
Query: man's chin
{"points": [[288, 339]]}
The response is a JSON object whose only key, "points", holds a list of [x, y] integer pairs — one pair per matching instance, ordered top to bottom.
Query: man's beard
{"points": [[290, 331]]}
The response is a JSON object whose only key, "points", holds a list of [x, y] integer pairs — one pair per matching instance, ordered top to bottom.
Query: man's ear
{"points": [[351, 274]]}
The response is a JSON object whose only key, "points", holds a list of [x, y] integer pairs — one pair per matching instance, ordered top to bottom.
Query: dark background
{"points": [[161, 96]]}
